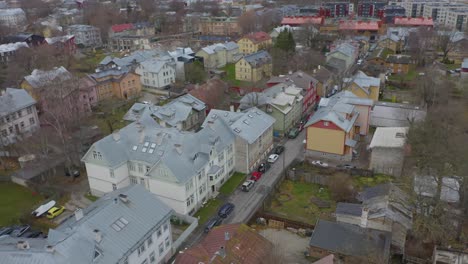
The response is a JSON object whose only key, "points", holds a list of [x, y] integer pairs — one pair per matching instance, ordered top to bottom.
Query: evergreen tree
{"points": [[285, 41]]}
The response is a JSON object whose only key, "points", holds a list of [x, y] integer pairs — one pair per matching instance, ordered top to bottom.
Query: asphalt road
{"points": [[247, 203]]}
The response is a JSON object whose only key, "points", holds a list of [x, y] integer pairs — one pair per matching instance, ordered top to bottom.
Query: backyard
{"points": [[109, 115], [231, 185], [16, 201], [208, 210]]}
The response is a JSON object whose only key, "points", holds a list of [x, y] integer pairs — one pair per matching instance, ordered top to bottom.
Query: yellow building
{"points": [[219, 26], [254, 42], [393, 43], [398, 64], [254, 67], [119, 83], [365, 86]]}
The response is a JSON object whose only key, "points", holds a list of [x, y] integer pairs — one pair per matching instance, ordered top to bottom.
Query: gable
{"points": [[321, 124], [162, 172]]}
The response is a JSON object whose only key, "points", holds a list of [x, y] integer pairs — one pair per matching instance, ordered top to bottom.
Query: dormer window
{"points": [[326, 123]]}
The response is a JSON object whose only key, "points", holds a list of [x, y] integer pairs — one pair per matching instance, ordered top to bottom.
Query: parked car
{"points": [[359, 62], [300, 127], [293, 133], [278, 149], [272, 158], [320, 163], [346, 166], [263, 167], [72, 172], [256, 175], [247, 185], [225, 210], [55, 211], [215, 221], [6, 230], [20, 230], [34, 234]]}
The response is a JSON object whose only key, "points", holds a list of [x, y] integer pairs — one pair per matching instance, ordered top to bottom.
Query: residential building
{"points": [[370, 8], [415, 8], [337, 9], [392, 11], [438, 11], [13, 17], [457, 18], [298, 21], [414, 22], [219, 26], [368, 28], [135, 29], [86, 35], [32, 40], [254, 42], [391, 42], [64, 43], [129, 43], [8, 51], [345, 52], [218, 55], [379, 56], [131, 61], [398, 64], [254, 67], [156, 73], [302, 80], [325, 81], [117, 82], [364, 86], [88, 91], [285, 106], [18, 115], [253, 129], [333, 131], [387, 150], [183, 169], [129, 226], [349, 243], [218, 246], [449, 256]]}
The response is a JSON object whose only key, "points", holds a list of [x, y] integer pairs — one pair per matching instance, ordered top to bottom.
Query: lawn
{"points": [[411, 75], [106, 114], [361, 182], [231, 184], [91, 197], [15, 201], [294, 202], [207, 211]]}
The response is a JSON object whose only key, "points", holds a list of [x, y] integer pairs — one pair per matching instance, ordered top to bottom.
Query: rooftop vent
{"points": [[237, 130], [116, 135], [400, 135], [123, 198], [78, 214], [97, 235], [22, 245], [50, 248]]}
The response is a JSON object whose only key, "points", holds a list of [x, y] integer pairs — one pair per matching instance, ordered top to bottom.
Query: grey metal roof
{"points": [[231, 45], [134, 57], [258, 58], [465, 63], [153, 65], [109, 72], [40, 78], [299, 78], [13, 100], [179, 109], [395, 115], [249, 124], [349, 209], [351, 240]]}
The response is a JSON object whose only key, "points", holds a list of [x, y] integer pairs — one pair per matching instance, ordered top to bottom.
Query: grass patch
{"points": [[453, 66], [411, 75], [230, 77], [108, 113], [362, 181], [228, 187], [91, 197], [16, 201], [300, 207], [208, 211]]}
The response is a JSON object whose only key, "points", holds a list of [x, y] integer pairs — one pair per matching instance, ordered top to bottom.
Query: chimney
{"points": [[231, 108], [123, 198], [78, 214], [364, 216], [97, 235], [22, 245], [50, 249], [222, 252]]}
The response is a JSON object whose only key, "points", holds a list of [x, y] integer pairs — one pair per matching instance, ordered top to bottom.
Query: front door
{"points": [[212, 188]]}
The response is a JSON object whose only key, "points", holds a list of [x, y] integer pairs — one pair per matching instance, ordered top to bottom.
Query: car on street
{"points": [[293, 133], [278, 149], [272, 158], [320, 163], [346, 166], [263, 167], [256, 175], [247, 185], [225, 210], [55, 211], [215, 221], [20, 230], [33, 234]]}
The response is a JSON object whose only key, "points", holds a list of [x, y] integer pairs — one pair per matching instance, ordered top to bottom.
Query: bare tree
{"points": [[36, 9], [102, 16], [247, 22], [308, 35], [444, 41], [420, 43], [341, 187]]}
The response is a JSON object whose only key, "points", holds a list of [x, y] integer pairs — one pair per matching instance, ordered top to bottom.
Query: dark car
{"points": [[293, 133], [278, 150], [263, 167], [72, 172], [225, 210], [215, 221], [6, 230], [20, 230], [33, 234]]}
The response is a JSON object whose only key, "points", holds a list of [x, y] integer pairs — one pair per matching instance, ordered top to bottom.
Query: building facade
{"points": [[12, 17], [219, 26], [86, 35], [254, 42], [8, 51], [219, 54], [254, 67], [156, 73], [119, 83], [364, 86], [388, 151]]}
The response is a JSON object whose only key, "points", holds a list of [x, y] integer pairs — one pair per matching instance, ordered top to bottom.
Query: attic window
{"points": [[249, 115], [214, 116], [246, 122], [326, 123], [237, 130], [400, 135], [135, 148], [119, 224], [97, 254]]}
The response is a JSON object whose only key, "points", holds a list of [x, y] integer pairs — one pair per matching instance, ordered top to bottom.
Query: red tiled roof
{"points": [[300, 20], [410, 21], [359, 25], [121, 27], [258, 36], [244, 246]]}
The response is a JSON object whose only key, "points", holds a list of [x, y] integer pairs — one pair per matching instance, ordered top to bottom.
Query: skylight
{"points": [[251, 116], [146, 144], [153, 145], [135, 147], [143, 149], [151, 151], [119, 224]]}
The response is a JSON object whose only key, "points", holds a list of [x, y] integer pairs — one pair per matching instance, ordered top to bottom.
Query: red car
{"points": [[256, 175]]}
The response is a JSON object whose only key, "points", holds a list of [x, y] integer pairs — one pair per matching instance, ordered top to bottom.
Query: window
{"points": [[29, 110], [20, 113], [7, 118], [32, 121], [326, 123], [22, 124], [230, 149], [221, 157], [230, 162], [131, 166], [140, 168], [147, 168], [112, 173], [199, 176], [211, 178], [133, 180], [142, 181], [114, 187], [165, 227], [159, 233], [150, 241], [168, 242], [141, 249], [161, 249], [97, 254], [152, 257]]}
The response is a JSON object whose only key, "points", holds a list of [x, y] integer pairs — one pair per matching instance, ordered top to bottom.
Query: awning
{"points": [[350, 143]]}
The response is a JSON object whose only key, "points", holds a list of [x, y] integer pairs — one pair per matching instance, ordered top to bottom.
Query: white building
{"points": [[12, 17], [86, 35], [7, 51], [156, 73], [18, 115], [183, 169], [128, 226]]}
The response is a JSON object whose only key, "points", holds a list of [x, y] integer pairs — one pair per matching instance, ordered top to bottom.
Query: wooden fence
{"points": [[286, 222]]}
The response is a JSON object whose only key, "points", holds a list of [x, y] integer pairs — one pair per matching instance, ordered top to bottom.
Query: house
{"points": [[13, 17], [298, 21], [414, 22], [219, 26], [367, 28], [135, 29], [86, 35], [32, 40], [254, 42], [391, 42], [63, 43], [129, 43], [8, 51], [344, 52], [218, 55], [379, 56], [182, 57], [131, 60], [398, 63], [254, 67], [464, 68], [156, 73], [302, 80], [325, 81], [118, 82], [364, 86], [88, 91], [212, 93], [285, 106], [386, 114], [18, 116], [253, 129], [333, 130], [387, 150], [183, 169], [384, 207], [130, 226], [233, 243], [350, 243], [449, 256]]}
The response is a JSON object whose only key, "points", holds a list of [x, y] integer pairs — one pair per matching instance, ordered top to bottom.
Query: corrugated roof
{"points": [[359, 25], [121, 27], [258, 37], [153, 65], [40, 78], [299, 78], [13, 100], [178, 110], [395, 115], [389, 137]]}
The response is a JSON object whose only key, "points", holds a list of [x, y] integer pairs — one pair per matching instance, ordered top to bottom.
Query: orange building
{"points": [[120, 83]]}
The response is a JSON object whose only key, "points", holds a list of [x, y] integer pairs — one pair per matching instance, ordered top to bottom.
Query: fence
{"points": [[287, 222], [193, 224]]}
